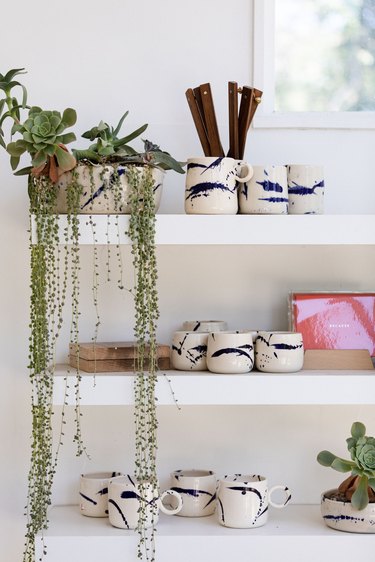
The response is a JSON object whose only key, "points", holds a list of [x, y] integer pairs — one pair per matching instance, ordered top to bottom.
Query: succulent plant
{"points": [[7, 84], [44, 139], [110, 148], [359, 488]]}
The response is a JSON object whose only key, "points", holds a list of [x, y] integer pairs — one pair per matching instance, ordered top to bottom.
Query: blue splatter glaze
{"points": [[214, 164], [192, 165], [271, 186], [205, 188], [301, 190], [94, 196], [274, 199], [286, 346], [241, 350], [130, 480], [245, 489], [103, 492], [191, 492], [88, 499], [210, 501], [222, 509], [120, 512], [343, 518]]}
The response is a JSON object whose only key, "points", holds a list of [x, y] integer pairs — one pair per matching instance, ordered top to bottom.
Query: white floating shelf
{"points": [[233, 229], [204, 388], [293, 534]]}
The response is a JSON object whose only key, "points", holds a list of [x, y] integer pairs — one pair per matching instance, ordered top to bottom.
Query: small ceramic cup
{"points": [[211, 185], [305, 189], [266, 192], [204, 325], [189, 351], [230, 352], [279, 352], [198, 491], [93, 493], [126, 496], [243, 500]]}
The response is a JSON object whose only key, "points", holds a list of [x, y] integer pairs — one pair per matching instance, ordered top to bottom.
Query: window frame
{"points": [[264, 79]]}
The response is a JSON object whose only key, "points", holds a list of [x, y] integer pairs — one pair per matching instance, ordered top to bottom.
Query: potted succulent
{"points": [[84, 181], [351, 507]]}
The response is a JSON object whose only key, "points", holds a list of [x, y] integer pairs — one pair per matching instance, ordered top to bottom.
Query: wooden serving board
{"points": [[100, 351], [337, 359], [113, 365]]}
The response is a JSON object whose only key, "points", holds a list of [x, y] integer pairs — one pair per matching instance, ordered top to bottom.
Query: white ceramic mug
{"points": [[211, 185], [305, 189], [266, 192], [204, 325], [189, 351], [230, 352], [279, 352], [198, 491], [93, 493], [126, 496], [243, 500]]}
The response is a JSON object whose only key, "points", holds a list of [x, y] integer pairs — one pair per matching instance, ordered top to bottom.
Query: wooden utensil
{"points": [[244, 118], [210, 119], [233, 120], [198, 121]]}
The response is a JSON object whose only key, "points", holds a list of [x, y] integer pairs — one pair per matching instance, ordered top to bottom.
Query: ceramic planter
{"points": [[101, 195], [342, 516]]}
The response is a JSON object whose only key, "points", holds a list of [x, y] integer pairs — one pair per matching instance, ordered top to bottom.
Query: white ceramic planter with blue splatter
{"points": [[211, 185], [305, 189], [266, 193], [100, 194], [189, 351], [230, 352], [279, 352], [198, 491], [93, 493], [126, 496], [243, 501], [342, 516]]}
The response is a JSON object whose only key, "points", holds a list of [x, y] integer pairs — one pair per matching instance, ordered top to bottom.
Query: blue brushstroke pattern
{"points": [[214, 164], [195, 165], [271, 186], [203, 189], [301, 190], [94, 196], [274, 199], [286, 346], [241, 350], [130, 480], [245, 489], [103, 492], [191, 492], [130, 495], [88, 499], [210, 501], [222, 509], [120, 512], [343, 518]]}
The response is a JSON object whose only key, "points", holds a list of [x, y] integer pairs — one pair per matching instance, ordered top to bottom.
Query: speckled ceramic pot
{"points": [[98, 197], [343, 517]]}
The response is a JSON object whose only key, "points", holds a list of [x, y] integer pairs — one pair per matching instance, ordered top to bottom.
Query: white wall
{"points": [[104, 58]]}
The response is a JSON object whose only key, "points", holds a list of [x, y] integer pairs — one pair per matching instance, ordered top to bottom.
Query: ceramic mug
{"points": [[211, 185], [305, 189], [266, 192], [204, 325], [189, 351], [230, 352], [279, 352], [198, 491], [93, 493], [126, 496], [243, 500]]}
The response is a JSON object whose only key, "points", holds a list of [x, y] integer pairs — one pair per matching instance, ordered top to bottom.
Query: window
{"points": [[315, 61]]}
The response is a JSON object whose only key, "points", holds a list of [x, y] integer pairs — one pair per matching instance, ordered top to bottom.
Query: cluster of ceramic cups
{"points": [[227, 186], [207, 345], [241, 501]]}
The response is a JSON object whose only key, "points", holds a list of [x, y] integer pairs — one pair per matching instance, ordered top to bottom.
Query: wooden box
{"points": [[112, 357]]}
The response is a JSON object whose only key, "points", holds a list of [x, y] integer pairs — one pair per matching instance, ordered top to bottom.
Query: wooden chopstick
{"points": [[257, 98], [244, 118], [210, 119], [233, 120], [198, 121]]}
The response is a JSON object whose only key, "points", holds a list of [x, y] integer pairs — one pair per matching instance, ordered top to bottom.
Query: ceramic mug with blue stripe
{"points": [[211, 185], [266, 193], [279, 352], [198, 491]]}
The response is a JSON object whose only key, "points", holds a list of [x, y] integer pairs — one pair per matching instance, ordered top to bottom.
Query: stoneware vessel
{"points": [[211, 185], [305, 189], [266, 192], [100, 195], [205, 325], [189, 351], [230, 352], [279, 352], [198, 491], [93, 493], [126, 497], [243, 500], [343, 517]]}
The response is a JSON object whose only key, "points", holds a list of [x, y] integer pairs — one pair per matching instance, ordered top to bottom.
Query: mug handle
{"points": [[249, 174], [288, 496], [170, 511]]}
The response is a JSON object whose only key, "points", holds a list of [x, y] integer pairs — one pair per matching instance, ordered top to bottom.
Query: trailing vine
{"points": [[142, 235]]}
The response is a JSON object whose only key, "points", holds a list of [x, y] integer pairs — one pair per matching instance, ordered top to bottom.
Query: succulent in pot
{"points": [[351, 507]]}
